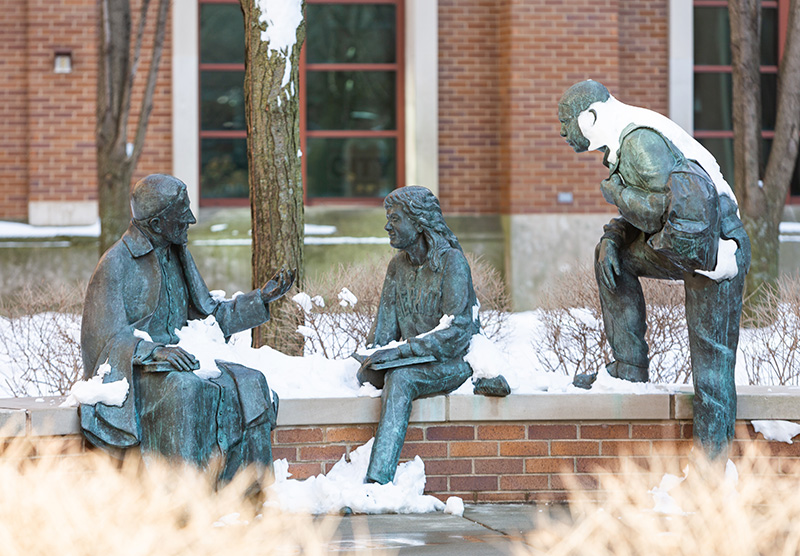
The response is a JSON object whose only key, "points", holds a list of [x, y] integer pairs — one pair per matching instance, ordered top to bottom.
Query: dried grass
{"points": [[40, 336], [574, 339], [772, 353], [92, 505], [759, 515]]}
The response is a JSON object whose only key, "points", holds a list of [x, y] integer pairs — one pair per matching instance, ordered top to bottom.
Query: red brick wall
{"points": [[469, 106], [13, 112], [48, 119], [510, 154], [512, 461]]}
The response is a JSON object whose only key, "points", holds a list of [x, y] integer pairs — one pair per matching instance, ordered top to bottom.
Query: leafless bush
{"points": [[335, 327], [40, 339], [574, 339], [772, 353], [704, 513]]}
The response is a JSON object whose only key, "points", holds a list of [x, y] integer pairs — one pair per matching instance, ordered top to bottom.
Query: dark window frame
{"points": [[782, 7], [398, 133]]}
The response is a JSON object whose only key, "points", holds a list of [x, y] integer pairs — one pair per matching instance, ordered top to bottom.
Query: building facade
{"points": [[457, 95]]}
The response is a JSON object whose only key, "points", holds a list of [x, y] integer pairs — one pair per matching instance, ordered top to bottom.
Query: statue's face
{"points": [[570, 129], [174, 225], [401, 229]]}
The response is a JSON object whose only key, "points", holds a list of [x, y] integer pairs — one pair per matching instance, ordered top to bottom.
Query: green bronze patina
{"points": [[671, 221], [428, 279], [147, 284]]}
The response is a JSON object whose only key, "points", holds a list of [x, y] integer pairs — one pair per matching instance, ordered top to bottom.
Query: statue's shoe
{"points": [[629, 372], [584, 380], [496, 386]]}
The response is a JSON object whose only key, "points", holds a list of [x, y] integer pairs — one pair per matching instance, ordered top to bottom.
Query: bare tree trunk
{"points": [[118, 64], [273, 153], [761, 202]]}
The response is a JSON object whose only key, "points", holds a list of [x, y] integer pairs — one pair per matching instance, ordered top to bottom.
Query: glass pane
{"points": [[350, 33], [221, 34], [712, 37], [769, 37], [222, 100], [350, 100], [769, 100], [712, 101], [722, 149], [357, 167], [223, 168], [794, 185]]}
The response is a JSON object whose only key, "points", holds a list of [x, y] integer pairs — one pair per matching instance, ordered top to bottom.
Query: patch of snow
{"points": [[219, 227], [19, 230], [318, 230], [726, 262], [346, 298], [304, 301], [444, 323], [143, 335], [485, 358], [95, 391], [780, 431], [344, 487], [664, 502], [455, 506]]}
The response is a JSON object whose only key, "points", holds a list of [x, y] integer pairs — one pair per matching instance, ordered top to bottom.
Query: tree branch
{"points": [[152, 77], [785, 146]]}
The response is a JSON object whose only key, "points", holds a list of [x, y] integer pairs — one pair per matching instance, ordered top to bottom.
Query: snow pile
{"points": [[94, 390], [781, 431], [344, 487], [664, 502], [454, 506]]}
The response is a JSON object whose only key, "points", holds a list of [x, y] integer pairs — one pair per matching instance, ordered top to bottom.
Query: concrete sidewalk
{"points": [[490, 529]]}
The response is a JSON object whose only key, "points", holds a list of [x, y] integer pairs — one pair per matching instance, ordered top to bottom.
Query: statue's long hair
{"points": [[423, 208]]}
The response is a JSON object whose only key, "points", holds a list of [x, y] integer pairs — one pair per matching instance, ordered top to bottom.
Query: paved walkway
{"points": [[484, 529]]}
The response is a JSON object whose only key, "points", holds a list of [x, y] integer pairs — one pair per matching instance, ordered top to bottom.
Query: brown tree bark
{"points": [[118, 65], [273, 152], [762, 193]]}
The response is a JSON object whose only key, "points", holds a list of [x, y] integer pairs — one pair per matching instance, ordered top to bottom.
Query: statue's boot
{"points": [[626, 371], [495, 386]]}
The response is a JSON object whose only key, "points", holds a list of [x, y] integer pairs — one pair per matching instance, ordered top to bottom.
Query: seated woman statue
{"points": [[144, 288], [428, 304]]}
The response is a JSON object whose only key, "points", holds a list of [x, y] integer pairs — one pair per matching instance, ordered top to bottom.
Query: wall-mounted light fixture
{"points": [[62, 61]]}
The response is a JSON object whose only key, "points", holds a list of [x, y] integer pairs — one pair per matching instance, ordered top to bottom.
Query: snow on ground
{"points": [[19, 230], [344, 486]]}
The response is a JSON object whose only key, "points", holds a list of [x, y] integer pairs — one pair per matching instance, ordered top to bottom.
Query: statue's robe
{"points": [[156, 290]]}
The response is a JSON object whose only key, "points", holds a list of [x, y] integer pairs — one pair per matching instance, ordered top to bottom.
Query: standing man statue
{"points": [[678, 220], [144, 288], [428, 305]]}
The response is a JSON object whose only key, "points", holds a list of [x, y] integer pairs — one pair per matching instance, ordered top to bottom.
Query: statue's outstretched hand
{"points": [[608, 259], [278, 285], [179, 358]]}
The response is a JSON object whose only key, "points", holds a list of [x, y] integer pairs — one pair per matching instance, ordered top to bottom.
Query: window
{"points": [[351, 89], [351, 99], [713, 120], [223, 135]]}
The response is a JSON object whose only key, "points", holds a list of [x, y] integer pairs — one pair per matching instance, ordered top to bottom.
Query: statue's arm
{"points": [[640, 189], [243, 312], [386, 328], [453, 340]]}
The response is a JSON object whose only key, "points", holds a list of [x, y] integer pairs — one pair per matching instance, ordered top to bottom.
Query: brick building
{"points": [[457, 95]]}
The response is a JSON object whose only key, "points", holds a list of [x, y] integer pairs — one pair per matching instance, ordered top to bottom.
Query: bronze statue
{"points": [[678, 220], [144, 288], [428, 304]]}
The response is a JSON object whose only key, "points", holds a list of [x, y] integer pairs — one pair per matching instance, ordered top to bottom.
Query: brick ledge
{"points": [[26, 416]]}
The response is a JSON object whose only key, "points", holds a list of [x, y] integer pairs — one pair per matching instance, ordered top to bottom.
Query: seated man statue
{"points": [[678, 220], [144, 288], [427, 316]]}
